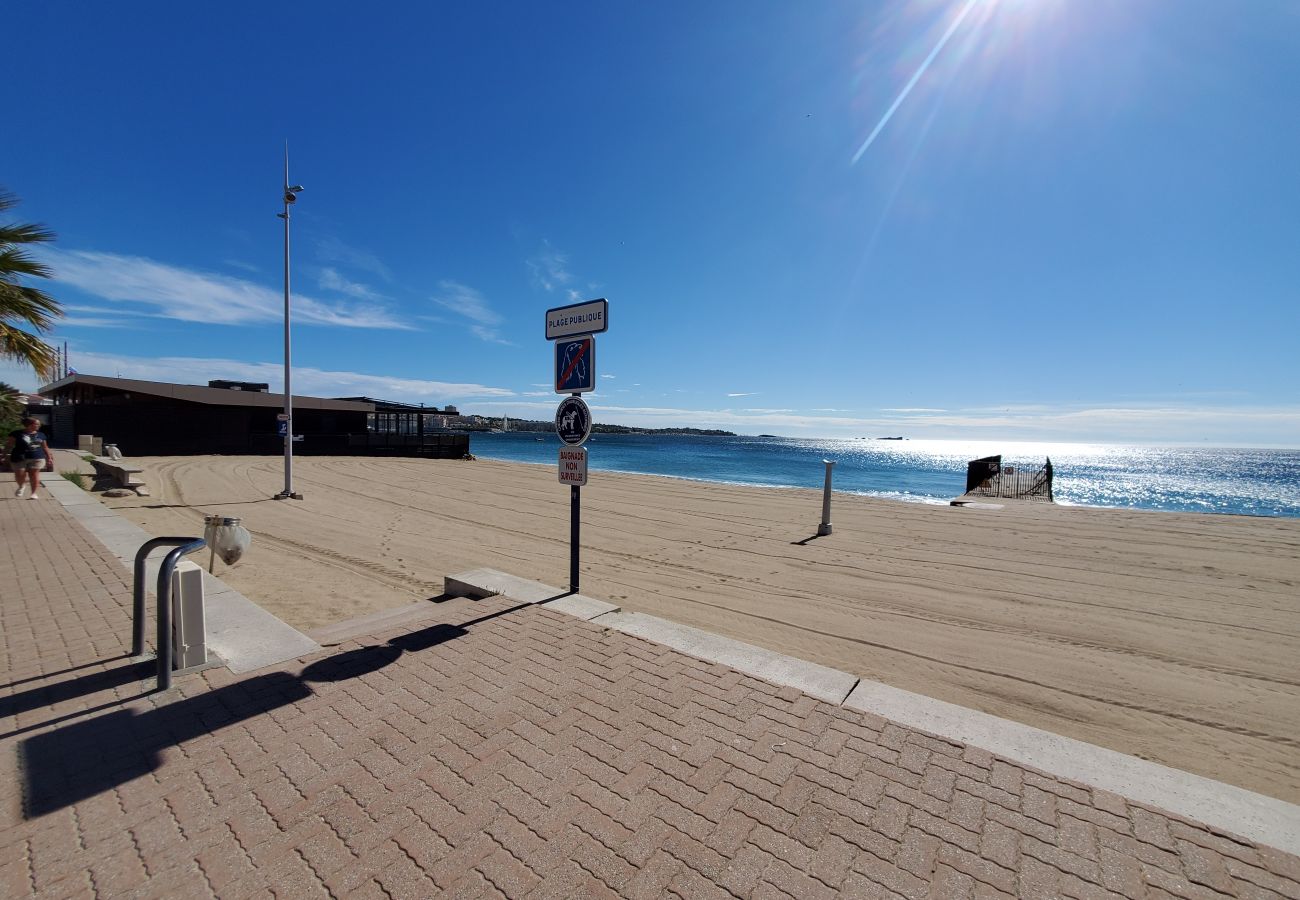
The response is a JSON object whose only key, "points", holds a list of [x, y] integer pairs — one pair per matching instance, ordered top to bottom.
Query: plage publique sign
{"points": [[591, 317], [573, 466]]}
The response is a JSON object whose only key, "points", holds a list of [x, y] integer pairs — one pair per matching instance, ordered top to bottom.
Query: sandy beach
{"points": [[1170, 636]]}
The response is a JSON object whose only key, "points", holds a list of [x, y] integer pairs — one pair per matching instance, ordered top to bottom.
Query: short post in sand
{"points": [[825, 526]]}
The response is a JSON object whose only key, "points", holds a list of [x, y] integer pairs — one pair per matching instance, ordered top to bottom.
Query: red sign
{"points": [[573, 466]]}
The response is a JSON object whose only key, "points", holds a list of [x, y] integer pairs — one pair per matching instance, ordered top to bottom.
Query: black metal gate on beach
{"points": [[987, 477]]}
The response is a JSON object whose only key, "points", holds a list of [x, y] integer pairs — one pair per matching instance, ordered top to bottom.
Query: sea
{"points": [[1231, 480]]}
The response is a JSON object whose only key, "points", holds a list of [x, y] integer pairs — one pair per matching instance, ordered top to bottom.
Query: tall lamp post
{"points": [[290, 197]]}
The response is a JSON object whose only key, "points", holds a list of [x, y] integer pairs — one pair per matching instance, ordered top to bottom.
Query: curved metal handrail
{"points": [[181, 547]]}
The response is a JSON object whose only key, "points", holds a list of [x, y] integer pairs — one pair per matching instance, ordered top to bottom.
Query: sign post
{"points": [[573, 328], [573, 425]]}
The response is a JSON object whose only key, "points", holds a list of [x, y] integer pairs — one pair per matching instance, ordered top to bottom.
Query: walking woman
{"points": [[28, 456]]}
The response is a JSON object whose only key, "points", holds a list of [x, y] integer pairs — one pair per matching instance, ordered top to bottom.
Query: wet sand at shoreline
{"points": [[1170, 636]]}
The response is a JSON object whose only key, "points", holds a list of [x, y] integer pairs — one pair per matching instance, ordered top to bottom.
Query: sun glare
{"points": [[984, 35]]}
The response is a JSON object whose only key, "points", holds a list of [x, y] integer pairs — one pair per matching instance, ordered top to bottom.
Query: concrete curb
{"points": [[489, 582], [817, 681], [1262, 819], [1265, 820]]}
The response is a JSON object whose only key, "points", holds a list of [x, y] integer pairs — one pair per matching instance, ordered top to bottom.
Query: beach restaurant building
{"points": [[155, 418]]}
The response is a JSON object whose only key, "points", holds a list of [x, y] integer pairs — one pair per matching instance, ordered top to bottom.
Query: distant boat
{"points": [[889, 439]]}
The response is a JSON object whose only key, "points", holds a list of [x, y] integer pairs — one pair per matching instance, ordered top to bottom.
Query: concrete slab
{"points": [[65, 491], [92, 509], [123, 538], [490, 582], [582, 607], [246, 636], [821, 682], [1233, 809]]}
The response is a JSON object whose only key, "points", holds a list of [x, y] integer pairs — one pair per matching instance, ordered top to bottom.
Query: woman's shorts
{"points": [[26, 465]]}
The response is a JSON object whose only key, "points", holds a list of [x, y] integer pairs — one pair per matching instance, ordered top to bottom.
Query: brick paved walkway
{"points": [[517, 752]]}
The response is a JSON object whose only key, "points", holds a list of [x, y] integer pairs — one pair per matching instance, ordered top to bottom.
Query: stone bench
{"points": [[119, 474]]}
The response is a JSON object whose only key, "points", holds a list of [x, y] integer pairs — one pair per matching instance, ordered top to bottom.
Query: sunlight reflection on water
{"points": [[1194, 479]]}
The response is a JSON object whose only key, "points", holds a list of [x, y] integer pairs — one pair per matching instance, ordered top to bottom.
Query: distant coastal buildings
{"points": [[489, 423]]}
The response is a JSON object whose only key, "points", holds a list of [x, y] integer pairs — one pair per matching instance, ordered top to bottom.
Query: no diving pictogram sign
{"points": [[575, 365]]}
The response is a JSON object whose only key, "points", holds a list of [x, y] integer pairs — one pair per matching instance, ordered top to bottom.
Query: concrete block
{"points": [[490, 582], [817, 681]]}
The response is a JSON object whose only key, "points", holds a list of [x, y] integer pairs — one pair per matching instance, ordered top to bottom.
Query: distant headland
{"points": [[548, 426]]}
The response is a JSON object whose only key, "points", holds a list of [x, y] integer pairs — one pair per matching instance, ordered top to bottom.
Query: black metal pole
{"points": [[575, 520], [183, 546], [137, 605], [138, 611], [165, 643]]}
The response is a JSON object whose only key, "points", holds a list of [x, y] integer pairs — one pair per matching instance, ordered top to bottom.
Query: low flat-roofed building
{"points": [[155, 418]]}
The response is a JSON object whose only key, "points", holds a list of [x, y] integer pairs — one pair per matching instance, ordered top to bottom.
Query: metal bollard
{"points": [[825, 526], [181, 546]]}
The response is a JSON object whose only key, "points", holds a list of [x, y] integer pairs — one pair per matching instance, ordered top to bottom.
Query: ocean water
{"points": [[1186, 479]]}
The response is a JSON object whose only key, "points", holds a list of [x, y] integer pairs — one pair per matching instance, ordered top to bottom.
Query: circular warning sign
{"points": [[573, 420]]}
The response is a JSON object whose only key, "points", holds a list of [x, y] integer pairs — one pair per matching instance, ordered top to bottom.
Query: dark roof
{"points": [[194, 393], [396, 406]]}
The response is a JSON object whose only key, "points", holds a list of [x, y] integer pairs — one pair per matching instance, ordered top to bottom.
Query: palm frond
{"points": [[19, 233], [15, 263], [21, 304], [29, 306], [19, 346], [11, 405]]}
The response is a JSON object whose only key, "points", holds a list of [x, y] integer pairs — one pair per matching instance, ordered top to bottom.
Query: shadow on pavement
{"points": [[44, 675], [61, 691], [77, 761]]}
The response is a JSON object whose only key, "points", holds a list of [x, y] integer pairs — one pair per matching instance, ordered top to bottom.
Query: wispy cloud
{"points": [[331, 249], [240, 264], [549, 268], [329, 279], [172, 292], [472, 306], [92, 322], [608, 376], [306, 379], [743, 394], [912, 409]]}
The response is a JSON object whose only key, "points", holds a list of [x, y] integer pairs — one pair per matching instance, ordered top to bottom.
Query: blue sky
{"points": [[1080, 222]]}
